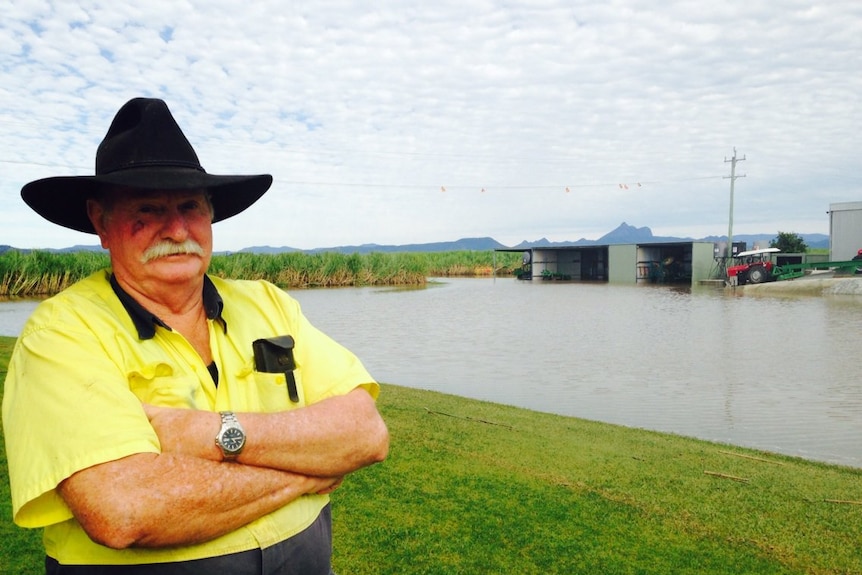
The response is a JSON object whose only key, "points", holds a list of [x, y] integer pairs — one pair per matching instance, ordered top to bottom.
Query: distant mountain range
{"points": [[623, 234]]}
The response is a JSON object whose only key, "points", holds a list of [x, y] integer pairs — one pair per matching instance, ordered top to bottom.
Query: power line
{"points": [[567, 187]]}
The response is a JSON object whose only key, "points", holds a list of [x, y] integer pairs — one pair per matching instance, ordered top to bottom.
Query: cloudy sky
{"points": [[410, 122]]}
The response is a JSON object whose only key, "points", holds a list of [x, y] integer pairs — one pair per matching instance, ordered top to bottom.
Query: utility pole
{"points": [[733, 177]]}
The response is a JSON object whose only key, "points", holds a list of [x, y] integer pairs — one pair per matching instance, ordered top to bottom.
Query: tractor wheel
{"points": [[757, 275]]}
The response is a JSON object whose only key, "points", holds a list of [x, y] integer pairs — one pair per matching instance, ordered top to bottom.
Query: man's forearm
{"points": [[334, 437], [331, 438], [150, 500]]}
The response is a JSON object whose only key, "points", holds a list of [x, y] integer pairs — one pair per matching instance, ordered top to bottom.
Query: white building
{"points": [[845, 230]]}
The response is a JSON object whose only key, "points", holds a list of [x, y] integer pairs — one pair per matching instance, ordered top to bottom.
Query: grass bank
{"points": [[35, 273], [475, 487]]}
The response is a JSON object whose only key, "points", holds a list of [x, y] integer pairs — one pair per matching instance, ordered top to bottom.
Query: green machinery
{"points": [[790, 271]]}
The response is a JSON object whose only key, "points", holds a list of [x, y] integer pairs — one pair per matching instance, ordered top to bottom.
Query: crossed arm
{"points": [[187, 494]]}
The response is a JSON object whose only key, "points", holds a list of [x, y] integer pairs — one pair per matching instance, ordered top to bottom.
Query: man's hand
{"points": [[186, 431], [336, 483]]}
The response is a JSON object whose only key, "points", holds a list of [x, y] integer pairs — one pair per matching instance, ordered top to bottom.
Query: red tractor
{"points": [[752, 267]]}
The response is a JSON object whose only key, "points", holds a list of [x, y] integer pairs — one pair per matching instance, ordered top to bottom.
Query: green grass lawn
{"points": [[476, 487]]}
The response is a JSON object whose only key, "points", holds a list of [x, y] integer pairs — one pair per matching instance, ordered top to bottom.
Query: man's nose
{"points": [[175, 224]]}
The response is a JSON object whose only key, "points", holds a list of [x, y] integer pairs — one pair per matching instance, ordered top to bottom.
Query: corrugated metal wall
{"points": [[845, 230]]}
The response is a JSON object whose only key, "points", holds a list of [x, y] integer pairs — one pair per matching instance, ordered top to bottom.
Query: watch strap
{"points": [[229, 421]]}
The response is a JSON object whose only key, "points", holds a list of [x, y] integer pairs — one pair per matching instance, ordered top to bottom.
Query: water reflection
{"points": [[13, 314], [772, 373]]}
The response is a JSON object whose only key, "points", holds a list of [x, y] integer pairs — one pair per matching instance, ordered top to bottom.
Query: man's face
{"points": [[144, 230]]}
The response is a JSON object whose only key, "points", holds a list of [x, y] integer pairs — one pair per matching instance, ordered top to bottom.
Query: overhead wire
{"points": [[354, 153], [565, 187]]}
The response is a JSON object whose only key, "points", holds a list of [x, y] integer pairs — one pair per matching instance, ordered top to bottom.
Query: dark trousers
{"points": [[306, 553]]}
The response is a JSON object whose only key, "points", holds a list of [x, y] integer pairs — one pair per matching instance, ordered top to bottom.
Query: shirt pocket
{"points": [[159, 384], [268, 392]]}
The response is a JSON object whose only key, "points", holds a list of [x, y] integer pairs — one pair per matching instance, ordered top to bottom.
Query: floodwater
{"points": [[773, 373]]}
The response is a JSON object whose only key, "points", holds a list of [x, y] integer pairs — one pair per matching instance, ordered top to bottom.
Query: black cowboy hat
{"points": [[144, 149]]}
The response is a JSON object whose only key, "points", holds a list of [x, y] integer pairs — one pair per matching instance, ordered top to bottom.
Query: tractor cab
{"points": [[754, 266]]}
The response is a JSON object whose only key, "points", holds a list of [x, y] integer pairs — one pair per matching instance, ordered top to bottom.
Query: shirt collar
{"points": [[146, 321]]}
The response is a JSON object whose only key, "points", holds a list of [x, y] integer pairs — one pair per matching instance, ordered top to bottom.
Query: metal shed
{"points": [[845, 230], [672, 262]]}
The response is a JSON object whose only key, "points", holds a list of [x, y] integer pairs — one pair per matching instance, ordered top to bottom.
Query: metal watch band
{"points": [[228, 418], [230, 433]]}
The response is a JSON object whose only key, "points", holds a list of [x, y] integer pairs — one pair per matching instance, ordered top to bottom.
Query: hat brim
{"points": [[63, 199]]}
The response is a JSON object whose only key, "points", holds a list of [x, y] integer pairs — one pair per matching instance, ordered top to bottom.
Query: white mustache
{"points": [[166, 248]]}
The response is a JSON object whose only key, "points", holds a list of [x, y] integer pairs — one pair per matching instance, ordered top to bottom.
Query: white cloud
{"points": [[362, 114]]}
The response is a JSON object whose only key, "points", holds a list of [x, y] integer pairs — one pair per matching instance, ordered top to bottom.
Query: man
{"points": [[162, 421]]}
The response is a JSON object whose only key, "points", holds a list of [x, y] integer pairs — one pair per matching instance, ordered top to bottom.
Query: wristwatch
{"points": [[231, 436]]}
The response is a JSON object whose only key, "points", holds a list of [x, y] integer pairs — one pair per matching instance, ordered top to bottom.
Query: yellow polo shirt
{"points": [[80, 371]]}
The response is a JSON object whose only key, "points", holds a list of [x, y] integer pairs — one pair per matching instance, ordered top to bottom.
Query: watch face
{"points": [[232, 439]]}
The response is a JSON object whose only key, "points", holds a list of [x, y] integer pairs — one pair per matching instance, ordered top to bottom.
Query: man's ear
{"points": [[96, 213]]}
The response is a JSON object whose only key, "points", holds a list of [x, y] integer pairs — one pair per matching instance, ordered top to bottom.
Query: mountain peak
{"points": [[627, 234]]}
